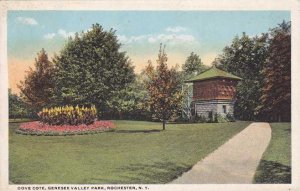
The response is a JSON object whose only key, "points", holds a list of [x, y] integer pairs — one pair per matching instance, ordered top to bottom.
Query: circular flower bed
{"points": [[38, 128]]}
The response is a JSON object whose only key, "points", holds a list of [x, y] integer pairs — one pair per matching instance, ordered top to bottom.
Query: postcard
{"points": [[160, 95]]}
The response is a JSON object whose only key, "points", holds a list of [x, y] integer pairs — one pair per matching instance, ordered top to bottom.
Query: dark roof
{"points": [[213, 72]]}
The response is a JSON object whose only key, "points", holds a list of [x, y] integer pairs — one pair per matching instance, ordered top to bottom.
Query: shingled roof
{"points": [[213, 72]]}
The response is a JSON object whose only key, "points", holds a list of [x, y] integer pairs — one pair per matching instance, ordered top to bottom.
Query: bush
{"points": [[68, 115], [230, 117], [213, 118], [201, 119], [220, 119]]}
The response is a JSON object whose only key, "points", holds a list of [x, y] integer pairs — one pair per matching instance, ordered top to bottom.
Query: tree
{"points": [[245, 57], [192, 66], [91, 69], [37, 88], [164, 91], [276, 92], [128, 102], [17, 108]]}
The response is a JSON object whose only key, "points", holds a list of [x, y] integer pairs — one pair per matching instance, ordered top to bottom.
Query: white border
{"points": [[292, 5]]}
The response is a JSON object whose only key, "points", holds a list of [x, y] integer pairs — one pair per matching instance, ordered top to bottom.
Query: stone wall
{"points": [[203, 108]]}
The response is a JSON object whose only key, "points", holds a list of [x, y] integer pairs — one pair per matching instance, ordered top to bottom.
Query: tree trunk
{"points": [[164, 124]]}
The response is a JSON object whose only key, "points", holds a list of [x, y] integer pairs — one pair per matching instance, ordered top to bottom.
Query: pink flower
{"points": [[37, 126]]}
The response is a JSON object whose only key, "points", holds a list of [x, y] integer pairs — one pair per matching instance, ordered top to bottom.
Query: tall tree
{"points": [[245, 57], [192, 66], [91, 69], [163, 86], [37, 88], [276, 93]]}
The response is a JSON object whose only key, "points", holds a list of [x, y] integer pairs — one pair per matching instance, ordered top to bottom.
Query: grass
{"points": [[19, 120], [137, 152], [275, 165]]}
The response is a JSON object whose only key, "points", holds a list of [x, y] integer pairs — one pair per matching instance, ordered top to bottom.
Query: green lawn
{"points": [[19, 120], [137, 152], [275, 166]]}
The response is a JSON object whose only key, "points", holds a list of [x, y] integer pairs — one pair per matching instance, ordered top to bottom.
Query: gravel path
{"points": [[233, 162]]}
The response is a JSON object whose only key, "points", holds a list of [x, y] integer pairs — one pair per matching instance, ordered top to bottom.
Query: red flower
{"points": [[37, 126]]}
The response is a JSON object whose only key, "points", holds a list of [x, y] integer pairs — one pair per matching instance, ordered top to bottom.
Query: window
{"points": [[224, 109]]}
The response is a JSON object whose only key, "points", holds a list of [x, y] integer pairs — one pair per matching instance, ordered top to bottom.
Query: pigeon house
{"points": [[214, 91]]}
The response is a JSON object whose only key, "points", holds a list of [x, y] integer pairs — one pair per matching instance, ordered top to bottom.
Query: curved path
{"points": [[233, 162]]}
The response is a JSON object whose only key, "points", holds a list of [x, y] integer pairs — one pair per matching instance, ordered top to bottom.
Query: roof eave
{"points": [[190, 81]]}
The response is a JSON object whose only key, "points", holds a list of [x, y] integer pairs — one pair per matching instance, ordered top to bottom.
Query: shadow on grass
{"points": [[138, 131], [159, 172], [156, 173], [273, 173]]}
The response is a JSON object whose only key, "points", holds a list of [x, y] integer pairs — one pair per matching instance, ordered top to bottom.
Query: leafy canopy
{"points": [[245, 57], [264, 63], [193, 66], [91, 69], [163, 86], [38, 87], [276, 91], [128, 103], [17, 107]]}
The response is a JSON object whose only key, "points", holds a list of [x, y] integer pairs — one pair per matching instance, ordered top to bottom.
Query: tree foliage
{"points": [[245, 57], [264, 63], [192, 66], [91, 69], [37, 88], [164, 91], [276, 92], [128, 103], [17, 107]]}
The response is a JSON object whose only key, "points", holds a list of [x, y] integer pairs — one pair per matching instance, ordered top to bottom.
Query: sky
{"points": [[204, 32]]}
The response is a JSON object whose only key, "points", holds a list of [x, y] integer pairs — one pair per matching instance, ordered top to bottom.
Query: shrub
{"points": [[68, 115], [211, 117], [230, 117], [218, 118], [200, 119]]}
